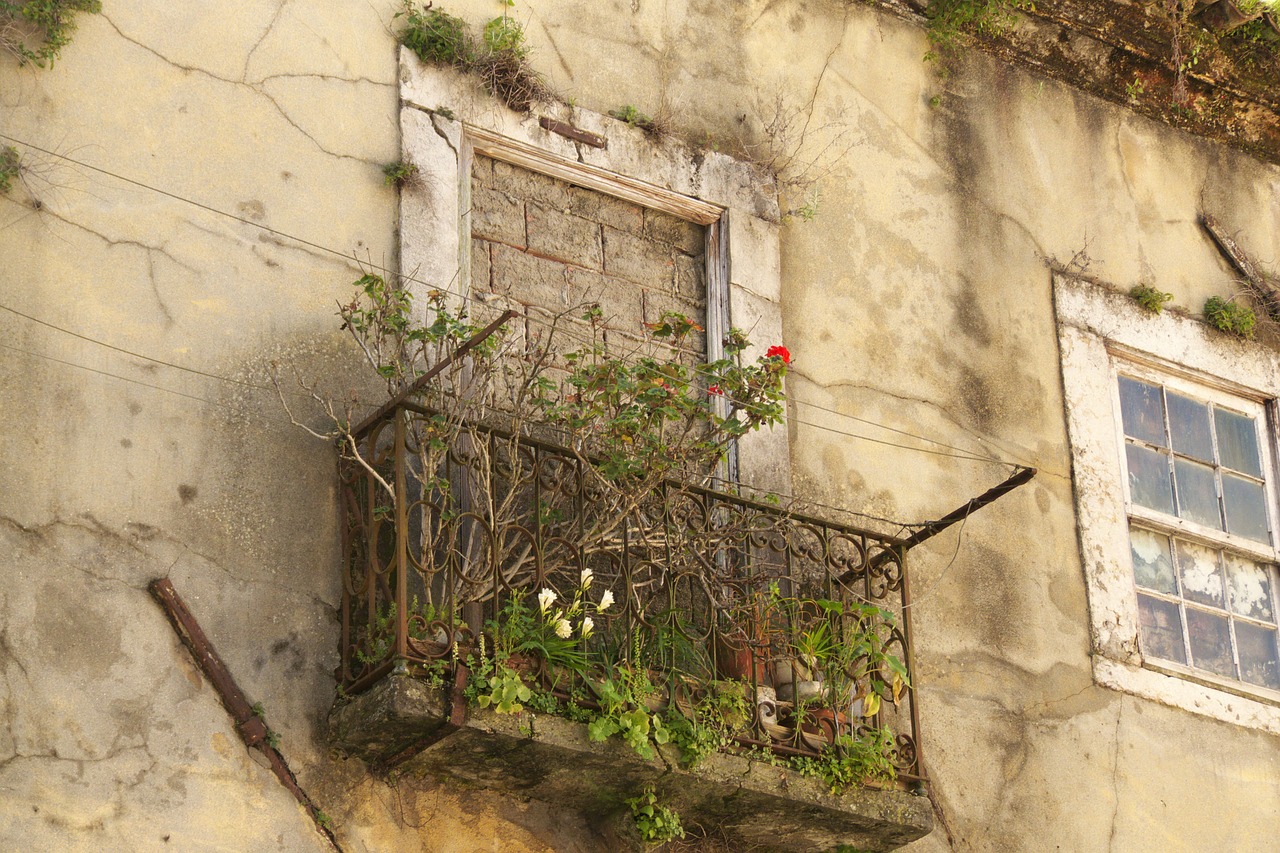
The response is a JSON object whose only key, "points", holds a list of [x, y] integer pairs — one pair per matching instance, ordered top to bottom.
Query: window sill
{"points": [[1191, 690]]}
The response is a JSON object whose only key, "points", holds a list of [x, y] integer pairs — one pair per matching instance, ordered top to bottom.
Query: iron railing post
{"points": [[402, 541]]}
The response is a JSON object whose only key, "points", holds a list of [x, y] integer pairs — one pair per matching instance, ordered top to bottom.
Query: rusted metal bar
{"points": [[577, 134], [419, 383], [932, 528], [402, 542], [909, 657], [252, 729]]}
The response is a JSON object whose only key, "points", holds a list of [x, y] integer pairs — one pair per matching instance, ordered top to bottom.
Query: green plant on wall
{"points": [[949, 19], [36, 31], [499, 57], [10, 167], [400, 175], [1149, 297], [1231, 317], [657, 823]]}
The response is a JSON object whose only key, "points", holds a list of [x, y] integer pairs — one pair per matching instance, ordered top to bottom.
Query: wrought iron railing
{"points": [[706, 585]]}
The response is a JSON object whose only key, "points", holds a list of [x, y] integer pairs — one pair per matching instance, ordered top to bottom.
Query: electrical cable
{"points": [[107, 373]]}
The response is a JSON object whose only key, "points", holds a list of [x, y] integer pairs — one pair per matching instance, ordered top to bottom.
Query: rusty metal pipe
{"points": [[252, 730]]}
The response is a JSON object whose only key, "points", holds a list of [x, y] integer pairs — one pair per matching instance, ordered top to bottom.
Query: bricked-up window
{"points": [[545, 247], [1200, 527]]}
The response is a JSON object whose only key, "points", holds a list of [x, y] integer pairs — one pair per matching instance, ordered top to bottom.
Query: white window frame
{"points": [[1101, 334], [1205, 389]]}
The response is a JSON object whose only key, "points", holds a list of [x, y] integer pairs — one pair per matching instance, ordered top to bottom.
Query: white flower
{"points": [[586, 578], [546, 598], [605, 601], [587, 625], [563, 629]]}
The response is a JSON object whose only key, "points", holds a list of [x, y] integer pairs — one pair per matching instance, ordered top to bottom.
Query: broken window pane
{"points": [[1142, 410], [1189, 427], [1237, 442], [1149, 483], [1197, 493], [1246, 507], [1152, 564], [1201, 574], [1249, 588], [1161, 629], [1210, 642], [1258, 659]]}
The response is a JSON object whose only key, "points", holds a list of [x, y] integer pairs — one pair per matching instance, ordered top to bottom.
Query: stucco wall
{"points": [[919, 299]]}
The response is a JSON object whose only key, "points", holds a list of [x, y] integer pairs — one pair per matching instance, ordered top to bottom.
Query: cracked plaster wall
{"points": [[280, 114], [918, 299]]}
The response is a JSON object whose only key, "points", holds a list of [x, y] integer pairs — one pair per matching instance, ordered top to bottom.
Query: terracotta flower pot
{"points": [[734, 658]]}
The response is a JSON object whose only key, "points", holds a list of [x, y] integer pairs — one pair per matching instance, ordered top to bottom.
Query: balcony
{"points": [[511, 619]]}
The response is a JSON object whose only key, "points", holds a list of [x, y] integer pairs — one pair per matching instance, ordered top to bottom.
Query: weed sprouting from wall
{"points": [[950, 19], [36, 31], [499, 58], [656, 127], [10, 167], [401, 175], [1149, 297], [1231, 317]]}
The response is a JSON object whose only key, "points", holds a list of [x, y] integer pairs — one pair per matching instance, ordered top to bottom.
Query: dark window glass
{"points": [[1142, 410], [1189, 427], [1237, 442], [1149, 483], [1197, 493], [1246, 508], [1161, 629], [1210, 642], [1258, 659]]}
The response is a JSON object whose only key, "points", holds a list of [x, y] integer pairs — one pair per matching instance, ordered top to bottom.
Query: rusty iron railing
{"points": [[707, 584]]}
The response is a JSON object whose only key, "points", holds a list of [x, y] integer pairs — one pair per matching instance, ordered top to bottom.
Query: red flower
{"points": [[781, 352], [714, 390]]}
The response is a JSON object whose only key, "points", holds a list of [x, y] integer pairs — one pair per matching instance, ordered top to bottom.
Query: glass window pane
{"points": [[1142, 411], [1189, 426], [1237, 442], [1149, 483], [1197, 493], [1246, 507], [1152, 565], [1201, 573], [1249, 588], [1161, 629], [1210, 642], [1258, 661]]}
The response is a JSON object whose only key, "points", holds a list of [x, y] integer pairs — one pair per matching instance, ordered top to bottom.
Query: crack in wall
{"points": [[248, 59], [254, 87], [1115, 778]]}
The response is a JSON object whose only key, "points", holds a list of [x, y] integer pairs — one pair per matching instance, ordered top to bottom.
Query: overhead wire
{"points": [[135, 354], [106, 373], [962, 455]]}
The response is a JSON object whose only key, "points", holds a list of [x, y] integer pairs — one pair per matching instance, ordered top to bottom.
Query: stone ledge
{"points": [[551, 759]]}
